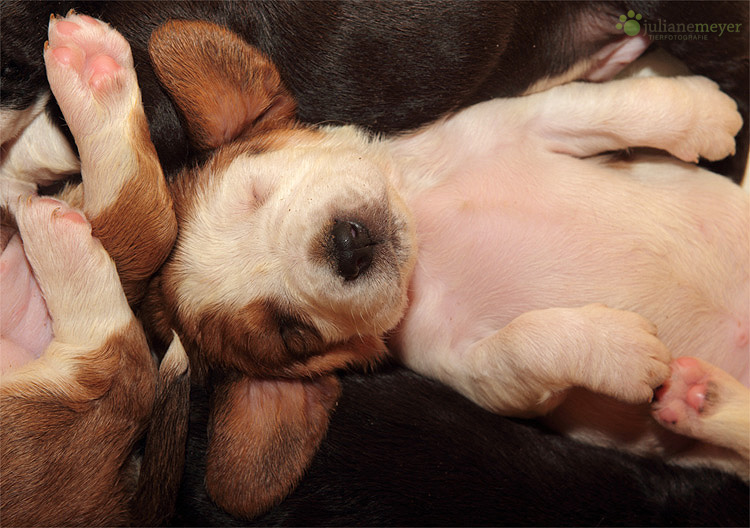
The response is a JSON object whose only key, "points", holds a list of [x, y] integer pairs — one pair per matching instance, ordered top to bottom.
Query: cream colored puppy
{"points": [[496, 250]]}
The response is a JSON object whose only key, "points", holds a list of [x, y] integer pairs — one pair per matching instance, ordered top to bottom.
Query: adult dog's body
{"points": [[386, 66], [298, 252], [79, 389], [402, 450]]}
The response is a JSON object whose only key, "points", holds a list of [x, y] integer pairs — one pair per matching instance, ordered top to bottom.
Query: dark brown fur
{"points": [[52, 434]]}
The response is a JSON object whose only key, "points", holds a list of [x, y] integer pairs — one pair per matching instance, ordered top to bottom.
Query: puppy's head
{"points": [[293, 254], [292, 259]]}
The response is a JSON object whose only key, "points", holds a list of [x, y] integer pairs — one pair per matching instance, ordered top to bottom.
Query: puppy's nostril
{"points": [[350, 248]]}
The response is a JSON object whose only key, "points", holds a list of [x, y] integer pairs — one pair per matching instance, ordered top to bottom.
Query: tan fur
{"points": [[237, 71], [254, 223], [256, 328], [70, 420], [263, 434]]}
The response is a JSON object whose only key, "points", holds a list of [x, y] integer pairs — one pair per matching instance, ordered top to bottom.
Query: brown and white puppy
{"points": [[297, 249], [252, 288], [79, 387]]}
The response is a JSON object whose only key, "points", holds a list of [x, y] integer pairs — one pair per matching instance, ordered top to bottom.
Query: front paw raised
{"points": [[90, 71], [712, 120], [623, 356]]}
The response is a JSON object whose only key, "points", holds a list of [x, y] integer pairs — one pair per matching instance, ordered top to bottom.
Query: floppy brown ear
{"points": [[222, 85], [262, 437]]}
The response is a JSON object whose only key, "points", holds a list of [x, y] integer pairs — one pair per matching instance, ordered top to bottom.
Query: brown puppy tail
{"points": [[164, 454]]}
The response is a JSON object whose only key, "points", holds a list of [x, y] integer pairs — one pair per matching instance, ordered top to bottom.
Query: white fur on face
{"points": [[258, 233]]}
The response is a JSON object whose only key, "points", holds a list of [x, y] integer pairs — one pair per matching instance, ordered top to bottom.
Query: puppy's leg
{"points": [[90, 71], [686, 116], [64, 256], [525, 368], [703, 402], [73, 415]]}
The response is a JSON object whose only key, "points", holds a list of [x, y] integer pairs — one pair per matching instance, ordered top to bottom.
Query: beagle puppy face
{"points": [[280, 236], [292, 260]]}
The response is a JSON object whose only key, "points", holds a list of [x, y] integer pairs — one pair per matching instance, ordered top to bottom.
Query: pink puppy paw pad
{"points": [[65, 27], [64, 55], [102, 67], [690, 369], [696, 397], [682, 401], [668, 415]]}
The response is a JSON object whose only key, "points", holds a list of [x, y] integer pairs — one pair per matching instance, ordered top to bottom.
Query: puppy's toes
{"points": [[90, 71], [715, 123], [77, 278], [635, 361], [702, 401]]}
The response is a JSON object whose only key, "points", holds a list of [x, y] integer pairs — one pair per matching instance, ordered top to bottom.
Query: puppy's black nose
{"points": [[350, 248]]}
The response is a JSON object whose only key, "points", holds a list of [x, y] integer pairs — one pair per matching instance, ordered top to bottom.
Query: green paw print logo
{"points": [[629, 24]]}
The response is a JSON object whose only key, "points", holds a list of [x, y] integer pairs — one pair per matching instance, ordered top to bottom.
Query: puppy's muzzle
{"points": [[350, 248]]}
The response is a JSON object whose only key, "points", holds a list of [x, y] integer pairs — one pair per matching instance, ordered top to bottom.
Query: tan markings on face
{"points": [[253, 233], [263, 340]]}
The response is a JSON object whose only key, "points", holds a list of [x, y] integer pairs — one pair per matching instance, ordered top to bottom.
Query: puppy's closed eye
{"points": [[300, 339]]}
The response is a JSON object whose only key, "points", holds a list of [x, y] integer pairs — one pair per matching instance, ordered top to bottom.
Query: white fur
{"points": [[41, 154], [520, 231], [250, 235], [542, 267]]}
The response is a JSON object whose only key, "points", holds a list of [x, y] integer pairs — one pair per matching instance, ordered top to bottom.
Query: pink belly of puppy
{"points": [[667, 241], [25, 325]]}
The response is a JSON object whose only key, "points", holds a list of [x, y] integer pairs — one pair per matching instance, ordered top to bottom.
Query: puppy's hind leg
{"points": [[91, 74], [686, 116], [76, 275], [702, 401], [74, 414]]}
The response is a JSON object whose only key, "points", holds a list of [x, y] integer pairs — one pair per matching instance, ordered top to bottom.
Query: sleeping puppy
{"points": [[386, 66], [297, 250], [587, 272], [79, 387]]}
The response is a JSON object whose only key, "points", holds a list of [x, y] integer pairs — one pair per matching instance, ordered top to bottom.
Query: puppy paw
{"points": [[90, 71], [713, 121], [73, 271], [626, 359], [702, 401]]}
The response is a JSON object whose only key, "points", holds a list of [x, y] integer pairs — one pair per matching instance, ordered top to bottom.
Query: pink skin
{"points": [[612, 59], [101, 67], [522, 236], [25, 322], [25, 325], [689, 384]]}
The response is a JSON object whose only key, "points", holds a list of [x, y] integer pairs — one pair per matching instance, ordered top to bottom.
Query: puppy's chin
{"points": [[266, 341]]}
